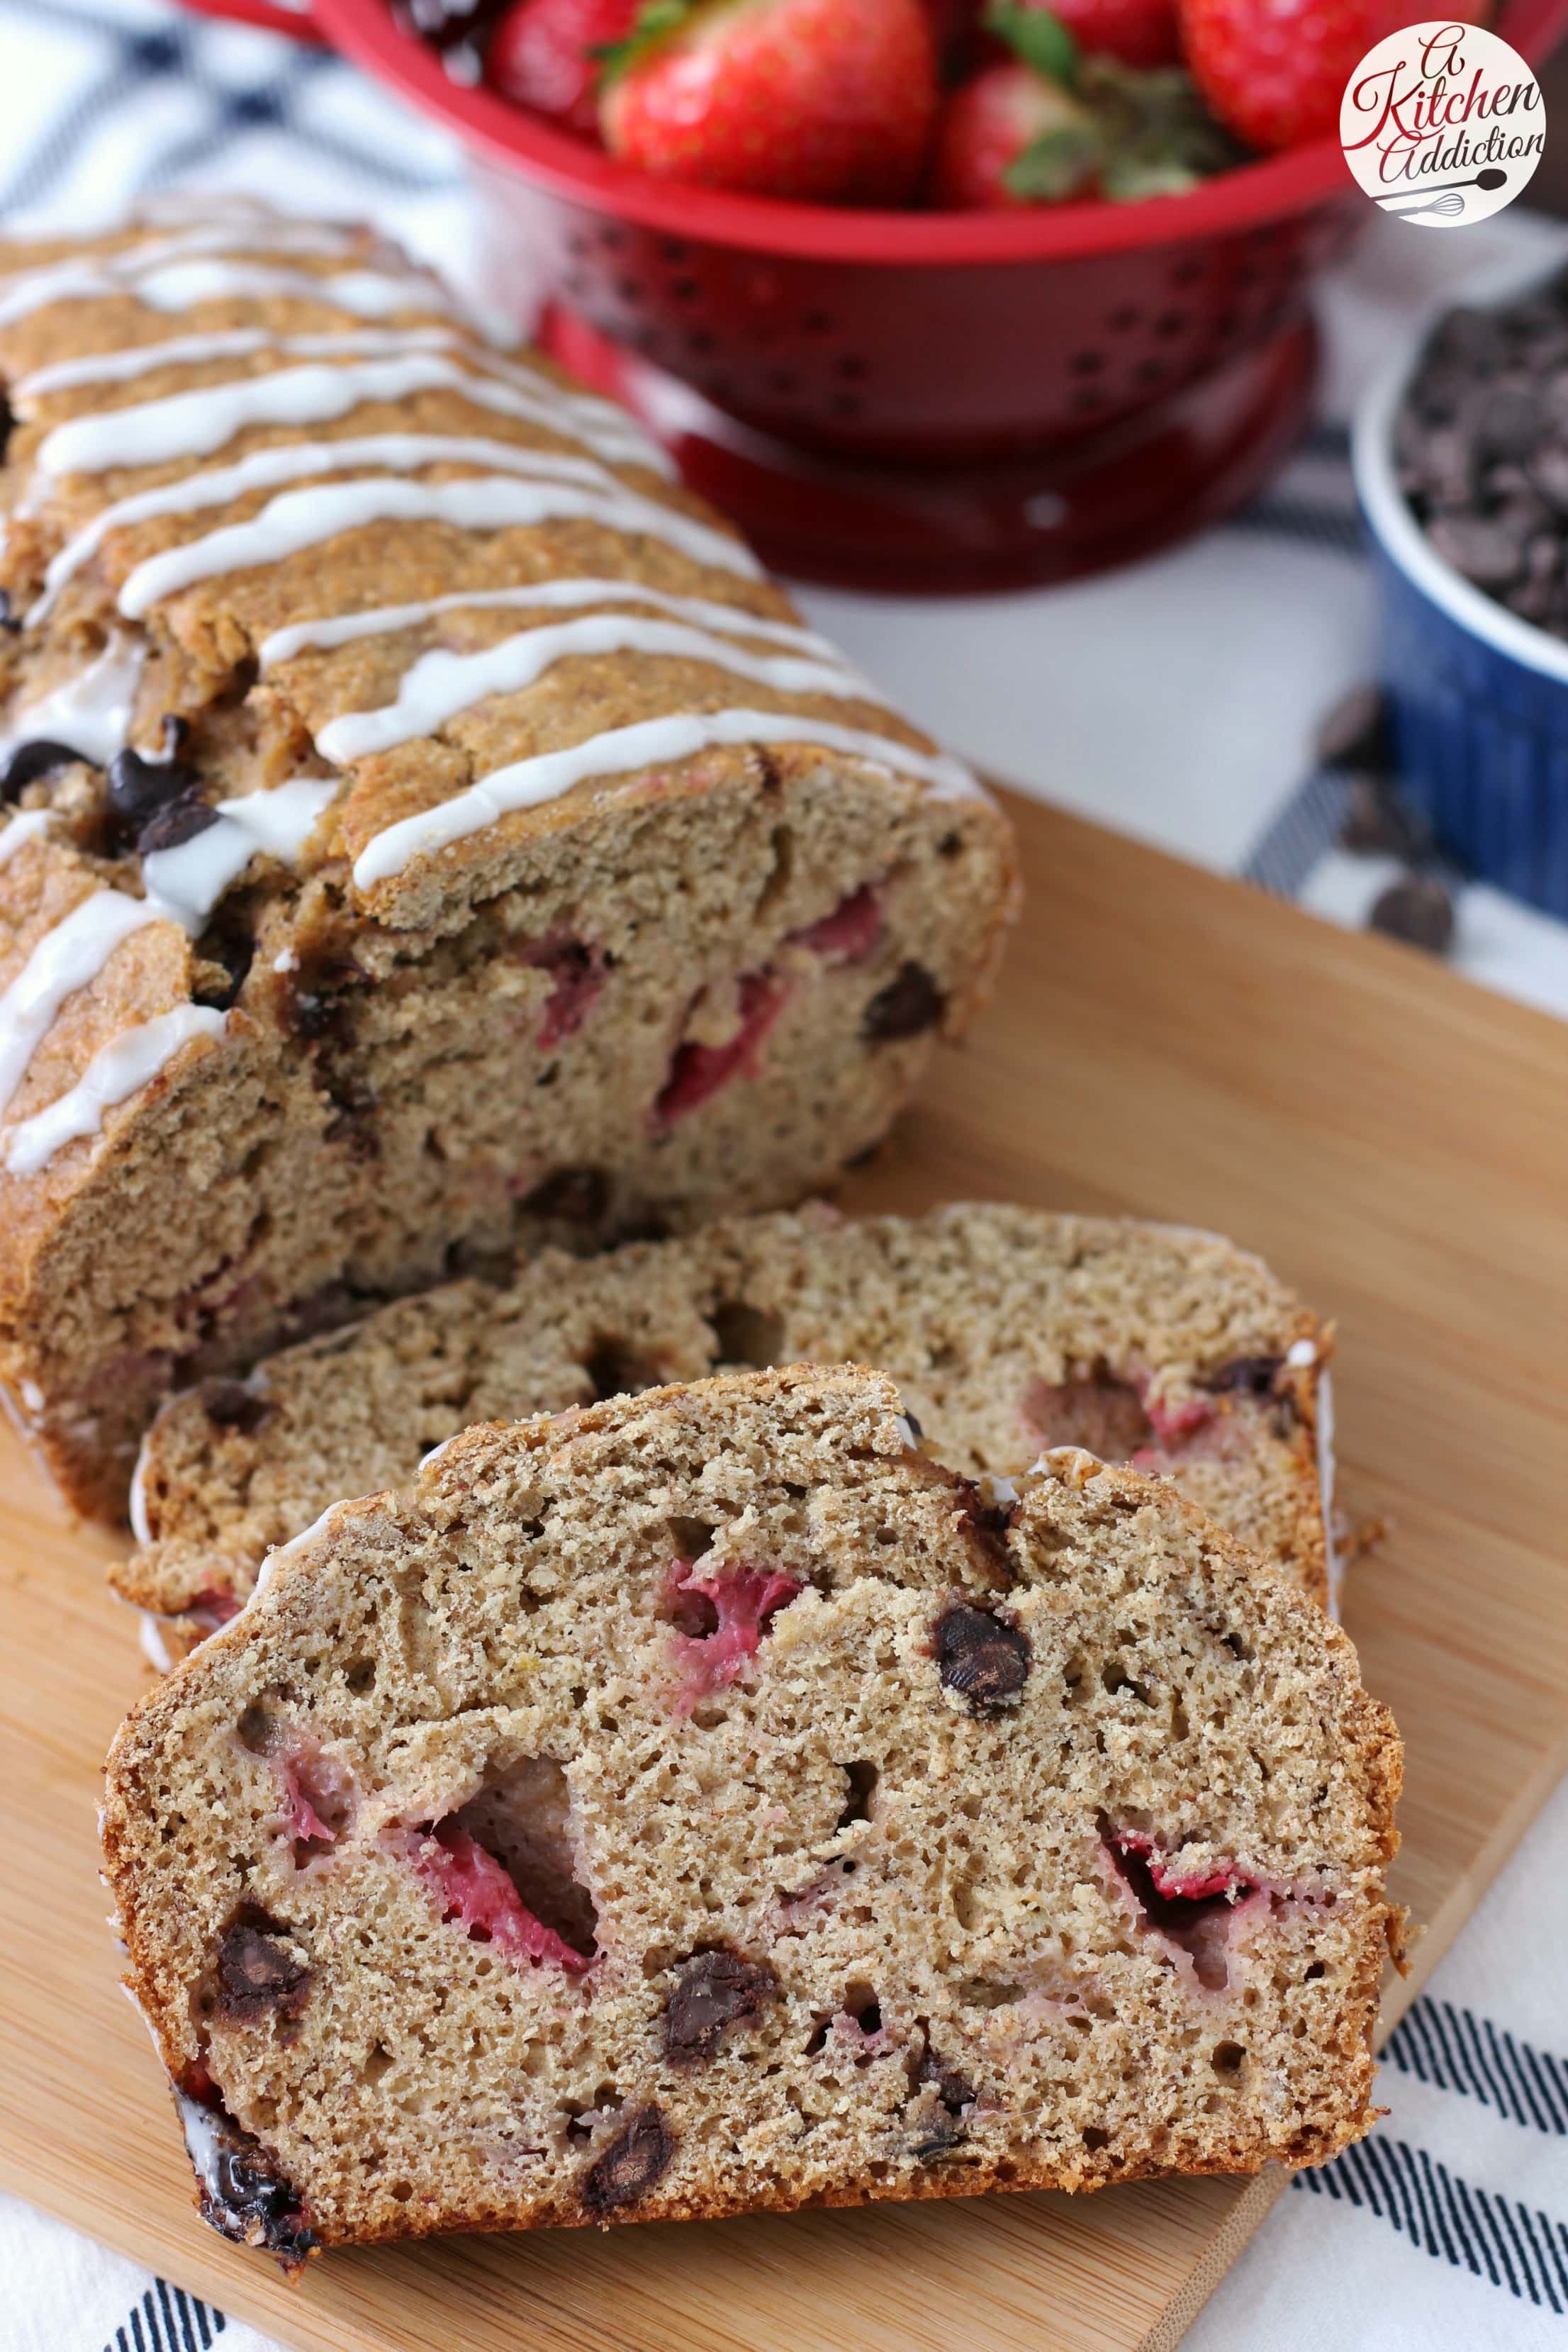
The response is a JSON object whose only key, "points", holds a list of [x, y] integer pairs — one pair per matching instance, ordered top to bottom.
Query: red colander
{"points": [[920, 401]]}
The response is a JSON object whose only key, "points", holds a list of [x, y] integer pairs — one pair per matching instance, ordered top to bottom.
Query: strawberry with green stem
{"points": [[1053, 124]]}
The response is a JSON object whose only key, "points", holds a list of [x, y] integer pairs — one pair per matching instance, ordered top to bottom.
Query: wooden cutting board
{"points": [[1396, 1141]]}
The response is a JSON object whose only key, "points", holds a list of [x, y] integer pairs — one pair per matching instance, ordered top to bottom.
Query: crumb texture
{"points": [[1007, 1331], [474, 1878]]}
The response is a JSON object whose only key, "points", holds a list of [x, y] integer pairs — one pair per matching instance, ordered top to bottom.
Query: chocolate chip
{"points": [[1510, 421], [1486, 549], [9, 621], [1355, 732], [29, 762], [139, 787], [179, 820], [1376, 821], [1417, 910], [231, 955], [907, 1007], [574, 1196], [1247, 1375], [229, 1404], [986, 1525], [986, 1661], [259, 1978], [712, 1991], [955, 2091], [629, 2167], [244, 2194]]}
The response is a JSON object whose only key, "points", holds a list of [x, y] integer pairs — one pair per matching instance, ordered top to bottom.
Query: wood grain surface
{"points": [[1396, 1141]]}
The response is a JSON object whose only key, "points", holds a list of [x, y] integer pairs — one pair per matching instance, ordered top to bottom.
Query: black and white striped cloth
{"points": [[1176, 700]]}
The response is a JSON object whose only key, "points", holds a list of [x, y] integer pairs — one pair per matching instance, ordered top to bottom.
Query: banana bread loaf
{"points": [[424, 831], [1007, 1331], [702, 1802]]}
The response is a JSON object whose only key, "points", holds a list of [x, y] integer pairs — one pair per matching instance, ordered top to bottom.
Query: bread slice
{"points": [[425, 833], [1007, 1329], [702, 1802]]}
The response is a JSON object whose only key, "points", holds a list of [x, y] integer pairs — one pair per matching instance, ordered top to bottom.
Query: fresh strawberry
{"points": [[1138, 32], [543, 54], [1275, 70], [815, 99], [1059, 124], [988, 126]]}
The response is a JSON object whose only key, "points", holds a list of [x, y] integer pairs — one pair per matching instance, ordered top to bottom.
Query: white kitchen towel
{"points": [[1176, 700]]}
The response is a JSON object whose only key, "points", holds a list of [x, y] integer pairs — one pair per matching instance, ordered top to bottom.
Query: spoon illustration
{"points": [[1491, 178]]}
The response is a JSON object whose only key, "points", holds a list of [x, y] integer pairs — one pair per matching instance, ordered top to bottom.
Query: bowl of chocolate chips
{"points": [[1461, 464]]}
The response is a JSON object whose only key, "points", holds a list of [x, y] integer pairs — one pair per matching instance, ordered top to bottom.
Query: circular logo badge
{"points": [[1442, 124]]}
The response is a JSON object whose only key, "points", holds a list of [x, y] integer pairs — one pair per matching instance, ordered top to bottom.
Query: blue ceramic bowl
{"points": [[1478, 698]]}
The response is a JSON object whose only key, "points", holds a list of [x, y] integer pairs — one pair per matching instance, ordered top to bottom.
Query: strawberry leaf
{"points": [[654, 21], [1041, 39], [1057, 165]]}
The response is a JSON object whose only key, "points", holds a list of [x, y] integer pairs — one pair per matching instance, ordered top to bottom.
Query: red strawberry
{"points": [[1138, 32], [542, 54], [1275, 70], [817, 100], [992, 121]]}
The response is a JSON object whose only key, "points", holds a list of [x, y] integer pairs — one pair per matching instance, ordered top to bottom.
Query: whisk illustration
{"points": [[1447, 203]]}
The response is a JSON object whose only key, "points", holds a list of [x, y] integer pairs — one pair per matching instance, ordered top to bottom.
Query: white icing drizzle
{"points": [[86, 278], [367, 293], [223, 343], [595, 422], [197, 423], [614, 504], [301, 519], [345, 628], [440, 684], [91, 711], [620, 751], [26, 824], [188, 880], [183, 885], [66, 959], [118, 1070], [1302, 1353], [155, 1650]]}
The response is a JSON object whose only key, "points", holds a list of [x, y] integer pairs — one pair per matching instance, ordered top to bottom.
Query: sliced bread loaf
{"points": [[424, 831], [1007, 1329], [703, 1802]]}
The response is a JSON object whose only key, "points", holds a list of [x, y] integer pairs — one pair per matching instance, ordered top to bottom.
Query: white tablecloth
{"points": [[1176, 700]]}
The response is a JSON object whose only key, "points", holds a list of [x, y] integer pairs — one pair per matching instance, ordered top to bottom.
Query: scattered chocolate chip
{"points": [[1510, 421], [1486, 549], [9, 621], [1355, 732], [29, 762], [139, 787], [179, 820], [1376, 821], [1417, 910], [231, 955], [316, 1006], [907, 1007], [353, 1122], [574, 1196], [1248, 1375], [229, 1404], [986, 1525], [986, 1661], [258, 1977], [712, 1991], [955, 2091], [630, 2166], [244, 2195]]}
